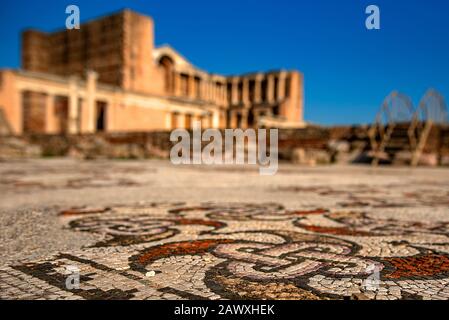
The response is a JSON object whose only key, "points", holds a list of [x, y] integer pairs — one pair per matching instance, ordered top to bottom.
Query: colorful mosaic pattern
{"points": [[239, 251]]}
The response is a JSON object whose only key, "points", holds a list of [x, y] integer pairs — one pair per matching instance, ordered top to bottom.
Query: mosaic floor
{"points": [[377, 241]]}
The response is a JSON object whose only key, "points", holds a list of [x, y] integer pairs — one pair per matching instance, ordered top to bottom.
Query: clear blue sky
{"points": [[348, 69]]}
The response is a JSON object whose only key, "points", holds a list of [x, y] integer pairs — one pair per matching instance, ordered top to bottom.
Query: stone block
{"points": [[310, 157]]}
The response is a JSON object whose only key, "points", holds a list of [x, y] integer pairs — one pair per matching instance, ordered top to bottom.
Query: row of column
{"points": [[197, 87], [200, 88], [240, 91], [239, 119], [186, 121], [75, 124]]}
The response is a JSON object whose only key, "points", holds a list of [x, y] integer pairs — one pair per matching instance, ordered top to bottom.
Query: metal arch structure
{"points": [[432, 107], [397, 109], [432, 110]]}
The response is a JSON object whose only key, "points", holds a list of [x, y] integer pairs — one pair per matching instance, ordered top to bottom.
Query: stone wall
{"points": [[155, 144], [112, 145], [309, 146]]}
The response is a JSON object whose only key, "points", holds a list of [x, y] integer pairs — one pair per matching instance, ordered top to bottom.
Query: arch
{"points": [[168, 65], [432, 107], [396, 108], [432, 110], [391, 126]]}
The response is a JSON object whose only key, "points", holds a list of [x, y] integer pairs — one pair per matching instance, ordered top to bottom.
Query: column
{"points": [[177, 79], [281, 85], [191, 86], [202, 88], [218, 88], [270, 88], [258, 89], [209, 90], [235, 91], [213, 92], [245, 92], [216, 93], [219, 93], [224, 101], [90, 103], [73, 106], [50, 114], [223, 115], [244, 115], [168, 117], [196, 118], [181, 119], [216, 119], [233, 119], [211, 120], [256, 120], [205, 121], [17, 123]]}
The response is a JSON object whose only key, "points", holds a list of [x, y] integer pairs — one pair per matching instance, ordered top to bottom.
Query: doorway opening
{"points": [[100, 123]]}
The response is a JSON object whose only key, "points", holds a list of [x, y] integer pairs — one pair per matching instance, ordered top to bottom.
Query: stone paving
{"points": [[149, 230]]}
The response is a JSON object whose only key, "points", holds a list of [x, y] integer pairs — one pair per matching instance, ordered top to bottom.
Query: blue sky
{"points": [[348, 69]]}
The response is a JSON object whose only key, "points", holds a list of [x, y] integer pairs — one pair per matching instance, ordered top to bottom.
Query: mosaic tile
{"points": [[238, 251]]}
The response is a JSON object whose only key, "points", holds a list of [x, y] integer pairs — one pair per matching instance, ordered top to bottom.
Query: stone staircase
{"points": [[398, 141], [392, 145]]}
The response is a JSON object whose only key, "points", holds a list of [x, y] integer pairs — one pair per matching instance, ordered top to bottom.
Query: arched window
{"points": [[168, 67]]}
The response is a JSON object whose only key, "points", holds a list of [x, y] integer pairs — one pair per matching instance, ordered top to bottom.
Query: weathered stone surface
{"points": [[5, 127], [309, 146], [339, 146], [15, 147], [310, 157], [402, 158], [428, 159], [444, 161]]}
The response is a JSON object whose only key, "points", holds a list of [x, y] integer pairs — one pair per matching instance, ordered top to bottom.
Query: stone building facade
{"points": [[109, 76]]}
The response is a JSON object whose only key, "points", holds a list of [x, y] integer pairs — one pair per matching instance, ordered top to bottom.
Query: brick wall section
{"points": [[118, 47], [69, 52]]}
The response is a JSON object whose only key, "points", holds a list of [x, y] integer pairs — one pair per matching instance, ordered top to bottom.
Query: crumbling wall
{"points": [[309, 146]]}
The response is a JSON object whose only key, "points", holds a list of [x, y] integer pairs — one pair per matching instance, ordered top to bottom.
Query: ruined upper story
{"points": [[120, 48]]}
